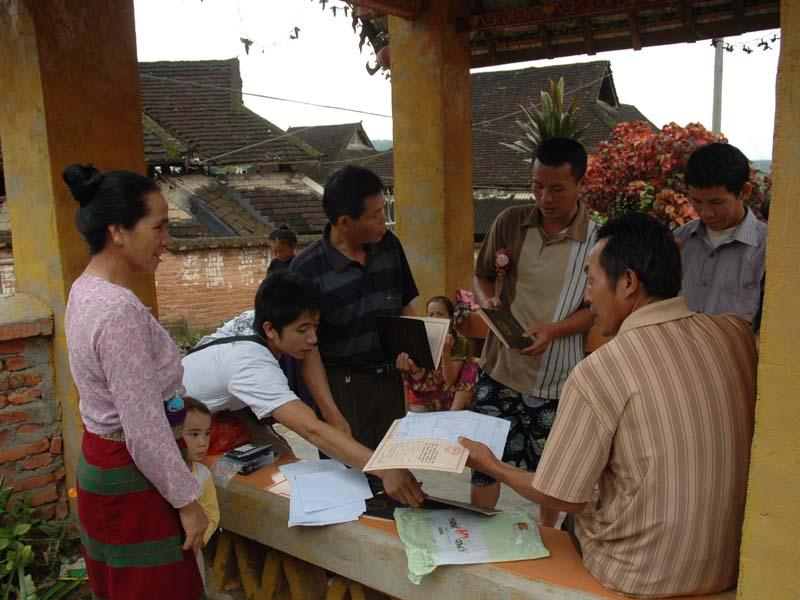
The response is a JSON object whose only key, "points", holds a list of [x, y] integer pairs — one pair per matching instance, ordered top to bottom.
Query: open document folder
{"points": [[422, 338], [430, 441], [325, 492]]}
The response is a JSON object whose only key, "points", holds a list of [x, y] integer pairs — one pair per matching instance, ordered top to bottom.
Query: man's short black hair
{"points": [[557, 151], [718, 164], [347, 189], [640, 243], [282, 298]]}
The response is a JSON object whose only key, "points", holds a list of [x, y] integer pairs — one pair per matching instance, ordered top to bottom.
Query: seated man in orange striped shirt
{"points": [[651, 443]]}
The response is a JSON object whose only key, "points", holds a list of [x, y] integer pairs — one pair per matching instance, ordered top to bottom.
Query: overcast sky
{"points": [[324, 66]]}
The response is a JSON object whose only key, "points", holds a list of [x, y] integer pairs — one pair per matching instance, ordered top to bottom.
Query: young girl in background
{"points": [[451, 386], [196, 434]]}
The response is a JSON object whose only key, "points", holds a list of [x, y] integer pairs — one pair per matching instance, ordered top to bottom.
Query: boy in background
{"points": [[723, 251]]}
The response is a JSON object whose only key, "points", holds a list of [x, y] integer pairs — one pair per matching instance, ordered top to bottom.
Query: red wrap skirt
{"points": [[131, 536]]}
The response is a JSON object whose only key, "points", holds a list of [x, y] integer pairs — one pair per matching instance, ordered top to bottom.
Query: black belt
{"points": [[382, 369]]}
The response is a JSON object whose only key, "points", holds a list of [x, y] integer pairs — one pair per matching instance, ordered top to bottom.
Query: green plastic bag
{"points": [[457, 537]]}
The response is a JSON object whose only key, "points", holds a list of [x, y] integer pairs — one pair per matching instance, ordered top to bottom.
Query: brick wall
{"points": [[204, 282], [30, 418]]}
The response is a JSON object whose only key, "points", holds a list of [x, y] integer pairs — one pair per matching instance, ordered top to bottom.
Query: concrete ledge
{"points": [[23, 315], [368, 551]]}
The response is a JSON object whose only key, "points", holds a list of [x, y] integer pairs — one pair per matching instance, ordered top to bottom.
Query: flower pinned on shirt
{"points": [[501, 264], [465, 304]]}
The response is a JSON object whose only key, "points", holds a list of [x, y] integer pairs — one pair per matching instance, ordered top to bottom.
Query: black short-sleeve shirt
{"points": [[355, 295]]}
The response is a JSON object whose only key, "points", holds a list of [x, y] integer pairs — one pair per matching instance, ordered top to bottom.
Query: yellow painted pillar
{"points": [[70, 82], [432, 110], [771, 537]]}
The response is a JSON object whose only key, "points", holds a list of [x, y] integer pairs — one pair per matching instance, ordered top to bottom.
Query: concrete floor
{"points": [[445, 485]]}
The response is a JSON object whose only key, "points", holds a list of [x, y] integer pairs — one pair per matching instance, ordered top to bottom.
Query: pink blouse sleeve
{"points": [[126, 354]]}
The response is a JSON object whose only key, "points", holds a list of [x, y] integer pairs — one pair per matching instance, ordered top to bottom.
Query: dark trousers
{"points": [[369, 400]]}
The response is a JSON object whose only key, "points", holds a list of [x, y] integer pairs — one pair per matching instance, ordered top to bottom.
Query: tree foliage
{"points": [[640, 169]]}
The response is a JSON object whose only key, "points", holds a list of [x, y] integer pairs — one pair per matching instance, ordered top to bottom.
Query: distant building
{"points": [[229, 176], [501, 177]]}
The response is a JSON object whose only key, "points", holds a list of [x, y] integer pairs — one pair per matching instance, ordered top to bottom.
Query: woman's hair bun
{"points": [[83, 181]]}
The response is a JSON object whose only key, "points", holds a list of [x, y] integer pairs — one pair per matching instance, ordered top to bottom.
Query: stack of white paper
{"points": [[325, 492]]}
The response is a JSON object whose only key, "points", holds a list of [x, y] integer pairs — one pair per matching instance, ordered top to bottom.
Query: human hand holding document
{"points": [[421, 338], [430, 441]]}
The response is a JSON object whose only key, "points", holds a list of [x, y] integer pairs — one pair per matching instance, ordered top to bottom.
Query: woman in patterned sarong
{"points": [[138, 508]]}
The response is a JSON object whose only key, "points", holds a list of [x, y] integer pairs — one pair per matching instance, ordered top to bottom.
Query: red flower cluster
{"points": [[641, 169]]}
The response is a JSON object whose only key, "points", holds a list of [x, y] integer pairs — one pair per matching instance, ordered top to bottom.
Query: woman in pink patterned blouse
{"points": [[137, 500]]}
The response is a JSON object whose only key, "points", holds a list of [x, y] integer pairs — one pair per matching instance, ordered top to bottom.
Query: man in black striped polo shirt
{"points": [[362, 272]]}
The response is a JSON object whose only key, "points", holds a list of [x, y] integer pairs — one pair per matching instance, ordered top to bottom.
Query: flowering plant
{"points": [[641, 169]]}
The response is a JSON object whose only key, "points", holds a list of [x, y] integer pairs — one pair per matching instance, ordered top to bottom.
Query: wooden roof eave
{"points": [[553, 29], [659, 33]]}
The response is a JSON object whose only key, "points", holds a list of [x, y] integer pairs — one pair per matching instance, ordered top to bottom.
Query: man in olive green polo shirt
{"points": [[543, 284]]}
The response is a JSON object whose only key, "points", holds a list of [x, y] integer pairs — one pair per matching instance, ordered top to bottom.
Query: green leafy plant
{"points": [[551, 120], [16, 521], [28, 543]]}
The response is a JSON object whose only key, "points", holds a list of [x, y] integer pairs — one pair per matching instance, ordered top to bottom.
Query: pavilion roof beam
{"points": [[406, 9], [556, 11], [738, 15], [687, 16], [651, 34], [588, 37], [636, 38], [491, 43], [547, 44]]}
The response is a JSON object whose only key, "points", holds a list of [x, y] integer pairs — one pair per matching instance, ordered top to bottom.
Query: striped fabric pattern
{"points": [[726, 279], [545, 283], [355, 295], [563, 354], [654, 431], [130, 535]]}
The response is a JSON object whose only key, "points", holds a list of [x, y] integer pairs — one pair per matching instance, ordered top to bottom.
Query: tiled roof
{"points": [[497, 94], [628, 112], [210, 118], [330, 140], [333, 141], [159, 146], [382, 164], [280, 198], [487, 204], [205, 207]]}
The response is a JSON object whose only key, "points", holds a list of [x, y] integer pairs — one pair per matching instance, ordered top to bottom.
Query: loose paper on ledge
{"points": [[324, 492]]}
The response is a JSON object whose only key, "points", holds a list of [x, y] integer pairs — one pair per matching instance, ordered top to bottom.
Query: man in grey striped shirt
{"points": [[722, 251]]}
